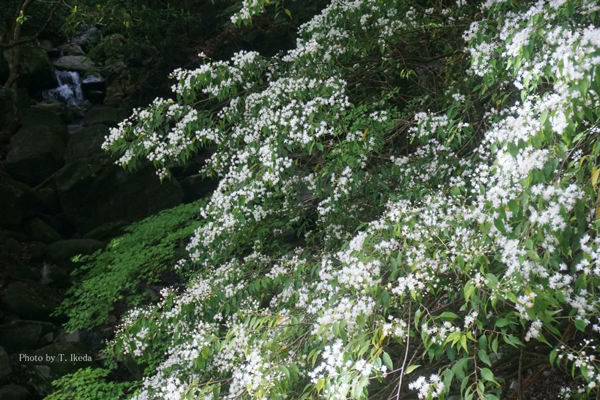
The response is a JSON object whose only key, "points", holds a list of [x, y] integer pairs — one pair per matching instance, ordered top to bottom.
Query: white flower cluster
{"points": [[456, 226]]}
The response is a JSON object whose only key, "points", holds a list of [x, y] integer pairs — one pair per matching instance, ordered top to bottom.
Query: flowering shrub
{"points": [[439, 166]]}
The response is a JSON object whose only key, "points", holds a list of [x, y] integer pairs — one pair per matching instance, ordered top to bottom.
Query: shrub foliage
{"points": [[438, 162]]}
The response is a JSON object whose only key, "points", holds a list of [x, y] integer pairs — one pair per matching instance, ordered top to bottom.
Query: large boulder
{"points": [[88, 39], [71, 49], [74, 63], [35, 69], [94, 88], [57, 108], [39, 116], [109, 116], [9, 123], [86, 143], [37, 149], [35, 154], [91, 194], [17, 201], [40, 231], [106, 232], [62, 252], [20, 272], [30, 300], [23, 335], [51, 362], [5, 367], [14, 392]]}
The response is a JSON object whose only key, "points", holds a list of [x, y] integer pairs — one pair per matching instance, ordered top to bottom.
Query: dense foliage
{"points": [[439, 167], [120, 273]]}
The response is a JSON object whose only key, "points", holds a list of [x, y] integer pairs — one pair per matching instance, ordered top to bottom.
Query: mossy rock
{"points": [[71, 49], [74, 63], [35, 69], [61, 110], [109, 116], [48, 118], [87, 143], [36, 153], [92, 195], [17, 201], [40, 231], [107, 231], [62, 252], [20, 272], [30, 300], [22, 335], [56, 361], [5, 367], [14, 392]]}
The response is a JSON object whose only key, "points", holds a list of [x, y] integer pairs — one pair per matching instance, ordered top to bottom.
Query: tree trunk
{"points": [[13, 58]]}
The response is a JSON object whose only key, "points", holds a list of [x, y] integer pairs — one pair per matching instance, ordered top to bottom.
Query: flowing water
{"points": [[68, 90]]}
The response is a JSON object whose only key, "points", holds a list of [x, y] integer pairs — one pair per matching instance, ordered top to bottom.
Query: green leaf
{"points": [[288, 12], [469, 290], [448, 315], [501, 322], [580, 324], [553, 355], [385, 357], [484, 357], [411, 369], [487, 374], [320, 384]]}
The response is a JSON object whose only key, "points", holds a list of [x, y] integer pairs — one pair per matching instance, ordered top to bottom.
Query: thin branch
{"points": [[29, 39], [405, 353]]}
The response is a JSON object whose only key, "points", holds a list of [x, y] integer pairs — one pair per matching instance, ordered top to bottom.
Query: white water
{"points": [[68, 90]]}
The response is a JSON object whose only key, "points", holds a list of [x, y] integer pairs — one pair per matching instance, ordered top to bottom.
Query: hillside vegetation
{"points": [[407, 208]]}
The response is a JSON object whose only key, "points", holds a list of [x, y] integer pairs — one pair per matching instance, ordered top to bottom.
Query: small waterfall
{"points": [[68, 90]]}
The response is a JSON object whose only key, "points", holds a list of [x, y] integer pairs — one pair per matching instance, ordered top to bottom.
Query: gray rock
{"points": [[87, 40], [46, 44], [71, 49], [74, 63], [35, 69], [114, 95], [57, 108], [39, 116], [109, 116], [87, 143], [36, 153], [92, 195], [17, 201], [50, 203], [40, 231], [107, 231], [12, 247], [37, 250], [62, 252], [20, 272], [30, 300], [20, 335], [70, 337], [46, 339], [54, 361], [5, 367], [14, 392]]}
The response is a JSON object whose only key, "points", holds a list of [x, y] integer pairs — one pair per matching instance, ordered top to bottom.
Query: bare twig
{"points": [[405, 354]]}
